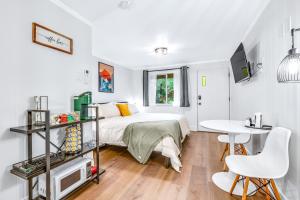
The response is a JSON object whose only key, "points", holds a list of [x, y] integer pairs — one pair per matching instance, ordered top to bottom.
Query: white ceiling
{"points": [[193, 30]]}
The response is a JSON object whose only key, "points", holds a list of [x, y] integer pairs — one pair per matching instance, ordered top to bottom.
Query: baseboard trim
{"points": [[213, 132]]}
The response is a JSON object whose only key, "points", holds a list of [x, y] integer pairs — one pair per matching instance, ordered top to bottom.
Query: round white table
{"points": [[224, 180]]}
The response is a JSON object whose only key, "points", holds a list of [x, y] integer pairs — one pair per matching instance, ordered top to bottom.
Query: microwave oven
{"points": [[64, 179]]}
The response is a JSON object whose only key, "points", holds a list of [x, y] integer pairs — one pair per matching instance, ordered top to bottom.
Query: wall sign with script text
{"points": [[46, 37]]}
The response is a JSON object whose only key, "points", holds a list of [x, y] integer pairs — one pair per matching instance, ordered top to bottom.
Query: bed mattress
{"points": [[112, 129]]}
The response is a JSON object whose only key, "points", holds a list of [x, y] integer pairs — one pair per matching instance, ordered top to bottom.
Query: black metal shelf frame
{"points": [[30, 129]]}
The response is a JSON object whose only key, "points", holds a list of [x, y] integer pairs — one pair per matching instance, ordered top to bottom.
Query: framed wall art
{"points": [[46, 37], [106, 78]]}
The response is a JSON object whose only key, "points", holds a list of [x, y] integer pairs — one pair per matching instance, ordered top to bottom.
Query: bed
{"points": [[112, 129]]}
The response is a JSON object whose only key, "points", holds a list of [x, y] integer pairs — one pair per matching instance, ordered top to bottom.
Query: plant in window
{"points": [[165, 88]]}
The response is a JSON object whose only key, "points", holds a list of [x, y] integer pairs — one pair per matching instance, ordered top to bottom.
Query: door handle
{"points": [[199, 100]]}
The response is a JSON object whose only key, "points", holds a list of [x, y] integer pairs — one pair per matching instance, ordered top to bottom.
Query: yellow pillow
{"points": [[124, 110]]}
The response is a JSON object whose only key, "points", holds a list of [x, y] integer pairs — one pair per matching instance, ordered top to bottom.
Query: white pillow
{"points": [[133, 109], [108, 110]]}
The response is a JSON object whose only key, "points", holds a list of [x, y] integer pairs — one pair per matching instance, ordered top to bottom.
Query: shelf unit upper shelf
{"points": [[29, 129]]}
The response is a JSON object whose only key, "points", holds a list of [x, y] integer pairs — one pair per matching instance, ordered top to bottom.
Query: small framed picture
{"points": [[46, 37], [106, 78]]}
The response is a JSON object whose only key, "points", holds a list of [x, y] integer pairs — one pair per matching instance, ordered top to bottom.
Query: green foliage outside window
{"points": [[165, 89]]}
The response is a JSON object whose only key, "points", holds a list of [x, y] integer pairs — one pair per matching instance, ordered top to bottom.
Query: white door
{"points": [[213, 94]]}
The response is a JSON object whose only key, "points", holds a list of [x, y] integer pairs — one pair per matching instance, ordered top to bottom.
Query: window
{"points": [[165, 89]]}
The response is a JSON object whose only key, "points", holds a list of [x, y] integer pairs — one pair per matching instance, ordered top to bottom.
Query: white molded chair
{"points": [[240, 140], [272, 163]]}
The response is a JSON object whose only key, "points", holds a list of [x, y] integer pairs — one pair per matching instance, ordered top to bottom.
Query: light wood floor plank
{"points": [[126, 179]]}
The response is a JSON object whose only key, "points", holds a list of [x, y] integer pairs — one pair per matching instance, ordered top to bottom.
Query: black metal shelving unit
{"points": [[29, 129]]}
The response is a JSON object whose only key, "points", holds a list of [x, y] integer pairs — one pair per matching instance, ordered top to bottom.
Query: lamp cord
{"points": [[293, 38]]}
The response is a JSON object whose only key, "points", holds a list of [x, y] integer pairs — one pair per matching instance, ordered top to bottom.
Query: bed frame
{"points": [[167, 161]]}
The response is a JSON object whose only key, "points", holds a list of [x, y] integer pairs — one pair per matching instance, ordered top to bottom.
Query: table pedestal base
{"points": [[224, 181]]}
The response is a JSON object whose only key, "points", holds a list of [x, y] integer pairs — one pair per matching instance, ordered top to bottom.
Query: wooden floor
{"points": [[125, 179]]}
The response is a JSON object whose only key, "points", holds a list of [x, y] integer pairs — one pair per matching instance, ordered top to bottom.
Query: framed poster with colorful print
{"points": [[106, 78]]}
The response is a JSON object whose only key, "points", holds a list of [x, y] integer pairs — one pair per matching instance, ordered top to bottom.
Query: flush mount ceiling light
{"points": [[125, 4], [161, 51], [289, 68]]}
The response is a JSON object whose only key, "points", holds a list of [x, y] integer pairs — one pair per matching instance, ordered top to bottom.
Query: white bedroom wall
{"points": [[268, 42], [28, 69], [191, 112]]}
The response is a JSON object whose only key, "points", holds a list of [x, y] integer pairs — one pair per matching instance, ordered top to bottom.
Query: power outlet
{"points": [[86, 76]]}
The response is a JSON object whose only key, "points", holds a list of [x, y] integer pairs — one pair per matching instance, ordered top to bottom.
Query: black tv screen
{"points": [[239, 63]]}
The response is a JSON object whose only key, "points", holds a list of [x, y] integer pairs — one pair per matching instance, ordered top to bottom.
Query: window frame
{"points": [[165, 74]]}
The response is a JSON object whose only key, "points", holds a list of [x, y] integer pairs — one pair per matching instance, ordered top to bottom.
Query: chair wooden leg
{"points": [[224, 152], [244, 152], [225, 168], [234, 183], [245, 189], [267, 190], [276, 193]]}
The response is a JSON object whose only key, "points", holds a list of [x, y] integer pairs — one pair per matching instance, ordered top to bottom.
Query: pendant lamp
{"points": [[289, 68]]}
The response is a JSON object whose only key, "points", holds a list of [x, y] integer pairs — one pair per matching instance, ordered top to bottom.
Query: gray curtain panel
{"points": [[184, 87], [145, 88]]}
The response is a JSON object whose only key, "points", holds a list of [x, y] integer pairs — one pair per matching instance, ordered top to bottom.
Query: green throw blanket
{"points": [[142, 137]]}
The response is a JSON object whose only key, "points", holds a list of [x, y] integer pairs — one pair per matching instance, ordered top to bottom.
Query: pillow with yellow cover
{"points": [[124, 109]]}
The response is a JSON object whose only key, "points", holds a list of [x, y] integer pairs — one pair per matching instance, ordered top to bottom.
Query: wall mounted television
{"points": [[240, 65]]}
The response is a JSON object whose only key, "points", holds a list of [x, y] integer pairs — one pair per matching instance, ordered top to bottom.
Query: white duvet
{"points": [[112, 130]]}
